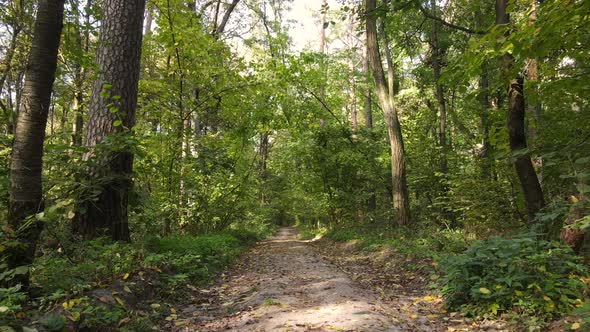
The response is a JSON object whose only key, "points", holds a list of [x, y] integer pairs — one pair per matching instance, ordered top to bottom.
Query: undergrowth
{"points": [[524, 277], [68, 281]]}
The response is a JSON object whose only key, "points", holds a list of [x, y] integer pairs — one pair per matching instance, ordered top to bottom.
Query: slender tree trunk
{"points": [[149, 19], [323, 27], [218, 30], [9, 56], [7, 68], [351, 74], [80, 75], [391, 81], [440, 97], [367, 100], [484, 104], [368, 109], [534, 109], [112, 110], [26, 164], [529, 182], [401, 204]]}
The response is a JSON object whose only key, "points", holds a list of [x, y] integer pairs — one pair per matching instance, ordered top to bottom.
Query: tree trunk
{"points": [[323, 27], [218, 30], [351, 71], [80, 75], [440, 97], [368, 100], [484, 104], [112, 110], [26, 164], [529, 182], [372, 199], [401, 204]]}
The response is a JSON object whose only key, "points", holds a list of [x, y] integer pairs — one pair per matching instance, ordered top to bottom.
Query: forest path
{"points": [[282, 284]]}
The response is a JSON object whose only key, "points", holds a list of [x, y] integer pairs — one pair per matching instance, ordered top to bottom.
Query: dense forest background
{"points": [[440, 124]]}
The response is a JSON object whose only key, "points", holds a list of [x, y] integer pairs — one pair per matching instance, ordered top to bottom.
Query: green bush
{"points": [[196, 257], [525, 275]]}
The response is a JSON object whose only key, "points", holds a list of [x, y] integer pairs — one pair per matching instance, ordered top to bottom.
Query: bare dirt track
{"points": [[285, 284]]}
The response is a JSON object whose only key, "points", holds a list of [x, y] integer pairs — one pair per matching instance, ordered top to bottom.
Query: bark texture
{"points": [[118, 60], [527, 176], [26, 194], [401, 204]]}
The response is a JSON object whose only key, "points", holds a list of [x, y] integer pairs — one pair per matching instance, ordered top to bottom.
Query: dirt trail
{"points": [[282, 284]]}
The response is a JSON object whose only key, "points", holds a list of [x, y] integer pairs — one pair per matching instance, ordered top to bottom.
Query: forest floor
{"points": [[288, 284]]}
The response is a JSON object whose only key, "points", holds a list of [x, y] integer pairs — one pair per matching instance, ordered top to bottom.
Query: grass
{"points": [[426, 243]]}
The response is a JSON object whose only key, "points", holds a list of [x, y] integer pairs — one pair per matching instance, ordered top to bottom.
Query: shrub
{"points": [[526, 275]]}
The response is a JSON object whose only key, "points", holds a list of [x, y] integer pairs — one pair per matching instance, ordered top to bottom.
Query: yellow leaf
{"points": [[125, 276], [126, 288], [484, 290], [518, 293], [428, 298], [546, 298], [103, 299], [119, 300], [154, 305], [75, 316], [414, 316], [575, 326]]}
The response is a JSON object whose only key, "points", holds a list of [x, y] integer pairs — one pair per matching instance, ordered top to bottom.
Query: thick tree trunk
{"points": [[118, 59], [26, 164], [529, 182], [401, 204]]}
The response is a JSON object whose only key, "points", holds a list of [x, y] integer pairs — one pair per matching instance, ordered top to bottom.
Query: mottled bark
{"points": [[118, 60], [26, 164], [527, 176], [401, 204]]}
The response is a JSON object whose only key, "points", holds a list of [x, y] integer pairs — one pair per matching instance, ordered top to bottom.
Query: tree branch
{"points": [[450, 25]]}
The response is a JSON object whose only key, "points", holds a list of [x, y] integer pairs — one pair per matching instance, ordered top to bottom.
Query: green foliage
{"points": [[525, 275], [53, 322]]}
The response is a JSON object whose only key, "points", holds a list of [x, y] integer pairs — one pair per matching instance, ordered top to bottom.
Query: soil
{"points": [[287, 284]]}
